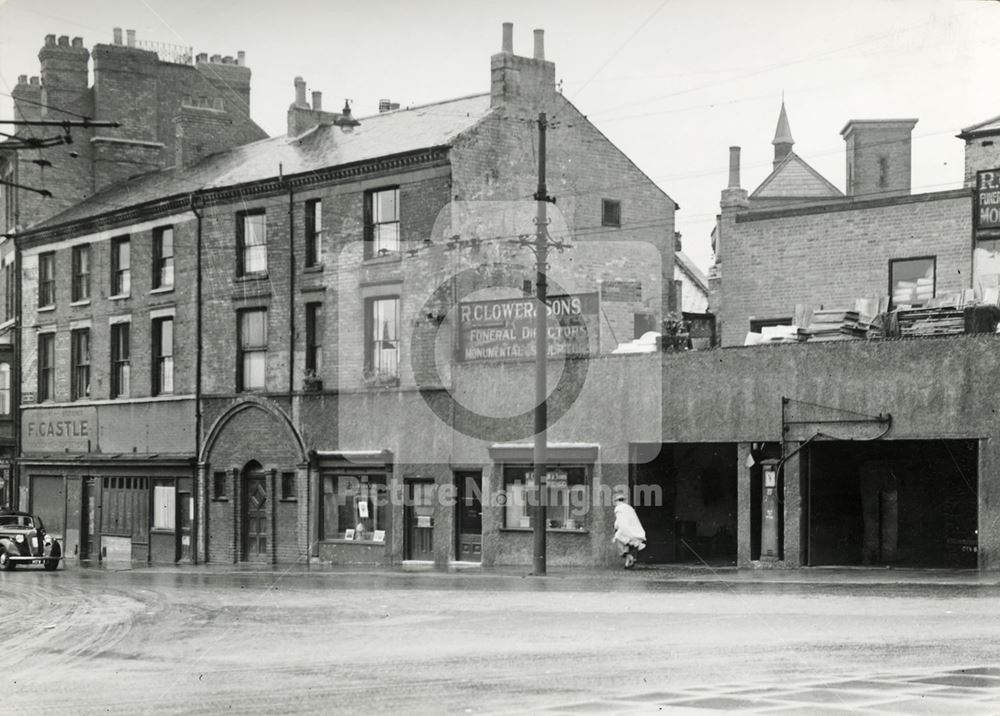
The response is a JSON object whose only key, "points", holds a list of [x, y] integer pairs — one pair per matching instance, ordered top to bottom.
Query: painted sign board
{"points": [[987, 201], [505, 328], [59, 430]]}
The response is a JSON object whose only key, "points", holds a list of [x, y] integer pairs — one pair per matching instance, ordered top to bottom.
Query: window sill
{"points": [[393, 257], [315, 268], [259, 276], [161, 289], [119, 296], [81, 302], [44, 309], [220, 499], [293, 500], [161, 530], [578, 531], [360, 542]]}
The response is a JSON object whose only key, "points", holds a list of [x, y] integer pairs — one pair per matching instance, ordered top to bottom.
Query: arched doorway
{"points": [[256, 534]]}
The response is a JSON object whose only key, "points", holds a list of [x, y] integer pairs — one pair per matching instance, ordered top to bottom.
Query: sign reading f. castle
{"points": [[505, 328]]}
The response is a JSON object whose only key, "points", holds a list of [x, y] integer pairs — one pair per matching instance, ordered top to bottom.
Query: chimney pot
{"points": [[118, 35], [130, 38], [508, 38], [50, 40], [64, 41], [78, 42], [539, 44], [201, 57], [241, 58], [217, 59], [228, 60], [22, 79], [35, 80], [300, 92], [317, 100], [383, 105], [734, 167]]}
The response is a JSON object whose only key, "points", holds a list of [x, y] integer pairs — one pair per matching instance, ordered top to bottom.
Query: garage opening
{"points": [[909, 503], [694, 520]]}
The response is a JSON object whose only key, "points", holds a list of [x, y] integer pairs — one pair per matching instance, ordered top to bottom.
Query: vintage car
{"points": [[23, 540]]}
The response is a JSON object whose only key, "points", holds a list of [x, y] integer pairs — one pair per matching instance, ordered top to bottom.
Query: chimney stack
{"points": [[118, 35], [130, 37], [508, 39], [241, 58], [525, 80], [300, 92], [317, 100], [387, 105], [878, 156], [734, 167], [733, 197]]}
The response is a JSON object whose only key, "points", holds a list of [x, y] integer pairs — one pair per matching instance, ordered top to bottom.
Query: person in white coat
{"points": [[629, 537]]}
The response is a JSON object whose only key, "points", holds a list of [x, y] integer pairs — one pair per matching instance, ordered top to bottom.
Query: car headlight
{"points": [[19, 538]]}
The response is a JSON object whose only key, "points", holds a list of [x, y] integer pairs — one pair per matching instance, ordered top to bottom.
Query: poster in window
{"points": [[363, 509], [348, 534], [378, 536]]}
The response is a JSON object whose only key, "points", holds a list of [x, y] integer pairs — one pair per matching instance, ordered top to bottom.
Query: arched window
{"points": [[4, 388]]}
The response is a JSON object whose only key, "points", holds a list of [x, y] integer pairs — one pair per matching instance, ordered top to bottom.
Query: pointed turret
{"points": [[782, 141]]}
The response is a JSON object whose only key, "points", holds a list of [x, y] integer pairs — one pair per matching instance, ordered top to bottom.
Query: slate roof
{"points": [[989, 126], [385, 134], [793, 178], [691, 269]]}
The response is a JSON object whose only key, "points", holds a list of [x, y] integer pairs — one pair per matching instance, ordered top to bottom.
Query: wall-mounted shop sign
{"points": [[986, 212], [505, 328], [59, 430]]}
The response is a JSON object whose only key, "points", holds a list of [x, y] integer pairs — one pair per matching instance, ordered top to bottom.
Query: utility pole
{"points": [[541, 356]]}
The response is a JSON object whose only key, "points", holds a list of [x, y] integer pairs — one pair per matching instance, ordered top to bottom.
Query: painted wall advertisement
{"points": [[987, 209], [505, 328], [62, 430]]}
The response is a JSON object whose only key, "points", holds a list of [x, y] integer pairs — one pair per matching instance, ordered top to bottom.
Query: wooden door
{"points": [[255, 509], [419, 517]]}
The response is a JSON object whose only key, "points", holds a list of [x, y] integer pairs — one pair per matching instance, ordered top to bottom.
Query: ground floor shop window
{"points": [[567, 490], [164, 505], [355, 507]]}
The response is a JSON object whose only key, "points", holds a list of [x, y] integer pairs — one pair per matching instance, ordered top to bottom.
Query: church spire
{"points": [[782, 137]]}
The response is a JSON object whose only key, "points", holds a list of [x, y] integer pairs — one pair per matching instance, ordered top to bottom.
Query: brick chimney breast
{"points": [[522, 80]]}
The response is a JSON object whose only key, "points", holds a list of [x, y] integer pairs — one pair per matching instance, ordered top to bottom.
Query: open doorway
{"points": [[911, 503], [694, 520]]}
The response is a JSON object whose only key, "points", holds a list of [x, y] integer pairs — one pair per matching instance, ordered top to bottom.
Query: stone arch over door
{"points": [[246, 451]]}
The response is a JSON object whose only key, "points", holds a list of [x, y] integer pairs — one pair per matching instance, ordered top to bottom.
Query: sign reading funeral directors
{"points": [[987, 209], [505, 328]]}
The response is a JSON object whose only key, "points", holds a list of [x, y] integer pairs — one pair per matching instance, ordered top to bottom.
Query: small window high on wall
{"points": [[912, 282]]}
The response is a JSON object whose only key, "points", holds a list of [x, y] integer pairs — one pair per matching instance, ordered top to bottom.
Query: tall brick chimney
{"points": [[64, 77], [523, 80], [302, 117], [878, 156]]}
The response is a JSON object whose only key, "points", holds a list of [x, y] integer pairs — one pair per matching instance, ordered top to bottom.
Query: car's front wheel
{"points": [[6, 563]]}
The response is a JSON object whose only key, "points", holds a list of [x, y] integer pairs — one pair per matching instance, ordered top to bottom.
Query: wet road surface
{"points": [[200, 641]]}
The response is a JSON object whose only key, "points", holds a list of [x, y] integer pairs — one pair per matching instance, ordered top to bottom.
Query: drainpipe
{"points": [[291, 293], [15, 467], [200, 526]]}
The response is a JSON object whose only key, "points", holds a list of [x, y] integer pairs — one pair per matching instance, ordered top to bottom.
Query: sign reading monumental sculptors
{"points": [[987, 209], [505, 328], [59, 430]]}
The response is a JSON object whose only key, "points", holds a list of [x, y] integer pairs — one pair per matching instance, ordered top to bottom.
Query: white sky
{"points": [[673, 83]]}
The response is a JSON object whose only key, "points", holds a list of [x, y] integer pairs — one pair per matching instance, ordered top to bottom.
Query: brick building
{"points": [[798, 240], [282, 334], [879, 464]]}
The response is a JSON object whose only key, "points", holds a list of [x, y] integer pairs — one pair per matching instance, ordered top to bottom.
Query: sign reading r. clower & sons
{"points": [[987, 208], [505, 328], [59, 430]]}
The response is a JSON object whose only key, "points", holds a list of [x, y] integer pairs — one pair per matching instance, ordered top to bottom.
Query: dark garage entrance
{"points": [[911, 503], [692, 516]]}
